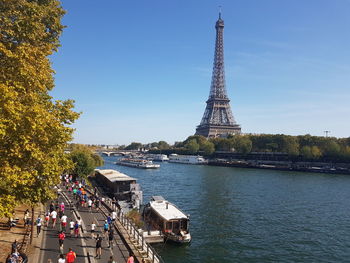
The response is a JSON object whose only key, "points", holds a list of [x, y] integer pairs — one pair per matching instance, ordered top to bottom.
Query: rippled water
{"points": [[248, 215]]}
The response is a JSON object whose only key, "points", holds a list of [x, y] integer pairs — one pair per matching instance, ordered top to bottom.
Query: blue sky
{"points": [[141, 70]]}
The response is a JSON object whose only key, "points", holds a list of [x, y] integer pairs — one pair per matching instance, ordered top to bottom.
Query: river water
{"points": [[251, 215]]}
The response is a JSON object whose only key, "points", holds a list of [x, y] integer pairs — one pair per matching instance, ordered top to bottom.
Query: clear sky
{"points": [[141, 70]]}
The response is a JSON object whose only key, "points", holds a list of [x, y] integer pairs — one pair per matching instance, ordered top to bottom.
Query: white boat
{"points": [[159, 157], [188, 159], [137, 163], [166, 217]]}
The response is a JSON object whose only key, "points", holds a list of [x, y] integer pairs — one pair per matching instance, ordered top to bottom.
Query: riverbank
{"points": [[314, 167]]}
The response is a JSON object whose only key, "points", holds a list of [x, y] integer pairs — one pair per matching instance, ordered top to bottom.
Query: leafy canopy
{"points": [[34, 129]]}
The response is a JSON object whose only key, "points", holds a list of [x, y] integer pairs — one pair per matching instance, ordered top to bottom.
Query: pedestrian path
{"points": [[84, 245]]}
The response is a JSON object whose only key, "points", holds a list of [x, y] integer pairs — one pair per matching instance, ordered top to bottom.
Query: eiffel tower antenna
{"points": [[220, 11], [218, 119]]}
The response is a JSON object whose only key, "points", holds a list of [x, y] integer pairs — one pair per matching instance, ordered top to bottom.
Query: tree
{"points": [[34, 129], [242, 144], [134, 146], [192, 146], [207, 147], [84, 160]]}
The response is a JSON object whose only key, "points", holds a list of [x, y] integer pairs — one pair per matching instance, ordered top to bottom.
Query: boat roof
{"points": [[114, 176], [157, 198], [172, 212]]}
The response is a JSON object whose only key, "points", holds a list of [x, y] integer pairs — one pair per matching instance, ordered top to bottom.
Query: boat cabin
{"points": [[166, 217]]}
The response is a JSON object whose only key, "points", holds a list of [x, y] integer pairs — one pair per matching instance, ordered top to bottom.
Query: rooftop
{"points": [[114, 176], [172, 212]]}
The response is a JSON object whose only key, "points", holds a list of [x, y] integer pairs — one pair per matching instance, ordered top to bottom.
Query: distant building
{"points": [[218, 120]]}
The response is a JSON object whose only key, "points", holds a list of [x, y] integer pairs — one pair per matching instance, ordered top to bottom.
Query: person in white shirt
{"points": [[89, 204], [53, 216], [114, 216], [64, 222], [80, 223], [38, 225], [71, 227], [93, 227], [61, 259]]}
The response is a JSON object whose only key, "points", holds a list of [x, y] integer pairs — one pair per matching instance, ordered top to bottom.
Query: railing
{"points": [[145, 250]]}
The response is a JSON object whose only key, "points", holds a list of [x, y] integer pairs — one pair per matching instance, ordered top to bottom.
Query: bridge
{"points": [[116, 152]]}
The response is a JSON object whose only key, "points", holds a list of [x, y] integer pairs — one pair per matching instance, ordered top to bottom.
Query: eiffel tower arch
{"points": [[218, 120]]}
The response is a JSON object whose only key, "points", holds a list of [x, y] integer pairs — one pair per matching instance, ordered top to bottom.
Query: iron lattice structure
{"points": [[218, 120]]}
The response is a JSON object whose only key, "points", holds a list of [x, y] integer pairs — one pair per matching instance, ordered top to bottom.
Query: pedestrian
{"points": [[89, 204], [62, 206], [52, 207], [26, 215], [114, 216], [54, 217], [47, 218], [109, 219], [64, 222], [80, 222], [38, 225], [71, 227], [93, 227], [105, 227], [76, 229], [61, 237], [110, 238], [14, 246], [98, 246], [71, 256], [130, 258], [61, 259], [111, 260]]}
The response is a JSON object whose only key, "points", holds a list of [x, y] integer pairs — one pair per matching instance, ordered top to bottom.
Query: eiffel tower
{"points": [[218, 120]]}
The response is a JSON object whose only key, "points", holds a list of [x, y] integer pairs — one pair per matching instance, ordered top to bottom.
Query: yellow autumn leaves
{"points": [[34, 129]]}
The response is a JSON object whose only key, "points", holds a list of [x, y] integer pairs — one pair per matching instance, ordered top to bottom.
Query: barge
{"points": [[187, 159], [164, 216]]}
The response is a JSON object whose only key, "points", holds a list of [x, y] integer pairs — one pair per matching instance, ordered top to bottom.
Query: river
{"points": [[251, 215]]}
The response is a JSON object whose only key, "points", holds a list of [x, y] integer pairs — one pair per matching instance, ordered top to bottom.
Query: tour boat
{"points": [[159, 157], [187, 159], [137, 163], [166, 217]]}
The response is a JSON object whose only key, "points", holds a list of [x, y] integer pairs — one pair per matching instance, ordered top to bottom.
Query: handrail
{"points": [[132, 231]]}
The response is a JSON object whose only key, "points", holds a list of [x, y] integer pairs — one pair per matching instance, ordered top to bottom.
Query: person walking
{"points": [[90, 205], [26, 215], [54, 217], [47, 218], [64, 222], [38, 225], [71, 227], [93, 227], [105, 227], [76, 229], [61, 237], [110, 237], [98, 246], [71, 256], [130, 258], [61, 259], [111, 260]]}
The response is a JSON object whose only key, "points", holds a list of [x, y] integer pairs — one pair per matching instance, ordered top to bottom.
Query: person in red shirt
{"points": [[61, 237], [70, 257]]}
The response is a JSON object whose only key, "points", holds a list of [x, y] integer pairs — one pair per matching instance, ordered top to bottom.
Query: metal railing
{"points": [[136, 235]]}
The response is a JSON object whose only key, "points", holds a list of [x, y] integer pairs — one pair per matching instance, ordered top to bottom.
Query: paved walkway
{"points": [[83, 246]]}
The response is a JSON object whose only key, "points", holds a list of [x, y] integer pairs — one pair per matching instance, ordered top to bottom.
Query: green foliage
{"points": [[34, 129], [242, 144], [134, 146], [192, 146], [207, 147], [84, 160], [135, 216]]}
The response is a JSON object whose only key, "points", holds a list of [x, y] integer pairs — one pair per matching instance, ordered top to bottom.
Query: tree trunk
{"points": [[32, 227]]}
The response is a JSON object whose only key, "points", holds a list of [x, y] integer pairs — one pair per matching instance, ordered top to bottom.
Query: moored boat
{"points": [[187, 159], [137, 163], [170, 220]]}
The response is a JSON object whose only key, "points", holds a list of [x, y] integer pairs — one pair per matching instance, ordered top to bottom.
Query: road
{"points": [[83, 246]]}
